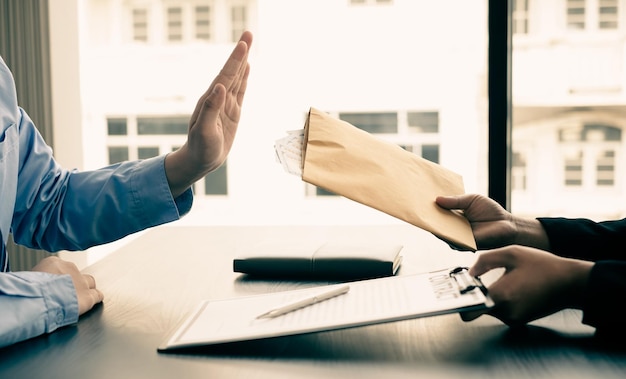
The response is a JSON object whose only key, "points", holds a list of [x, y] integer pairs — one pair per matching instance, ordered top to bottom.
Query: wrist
{"points": [[180, 176], [530, 232]]}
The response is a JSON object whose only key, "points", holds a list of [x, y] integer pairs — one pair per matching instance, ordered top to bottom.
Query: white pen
{"points": [[305, 302]]}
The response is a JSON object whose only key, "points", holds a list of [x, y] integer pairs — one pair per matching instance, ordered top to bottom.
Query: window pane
{"points": [[575, 12], [607, 14], [520, 16], [239, 21], [203, 22], [174, 24], [140, 25], [396, 72], [567, 118], [372, 122], [424, 122], [162, 125], [116, 127], [147, 152], [431, 152], [118, 154], [606, 168], [574, 169], [518, 174], [216, 183], [322, 192]]}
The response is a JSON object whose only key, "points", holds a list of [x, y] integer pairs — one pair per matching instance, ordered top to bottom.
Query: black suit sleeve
{"points": [[585, 239], [605, 244], [606, 292]]}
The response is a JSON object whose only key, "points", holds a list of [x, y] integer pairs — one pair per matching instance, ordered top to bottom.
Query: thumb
{"points": [[455, 202], [472, 315]]}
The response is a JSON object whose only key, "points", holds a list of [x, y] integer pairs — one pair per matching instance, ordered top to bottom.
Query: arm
{"points": [[52, 208], [59, 209], [586, 239], [534, 284], [605, 292], [40, 301], [32, 304]]}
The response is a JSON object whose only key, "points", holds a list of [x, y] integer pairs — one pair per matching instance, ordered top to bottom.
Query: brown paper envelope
{"points": [[350, 162]]}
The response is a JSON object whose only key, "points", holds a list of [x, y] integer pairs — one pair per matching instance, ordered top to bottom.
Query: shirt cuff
{"points": [[152, 195], [59, 296], [61, 302]]}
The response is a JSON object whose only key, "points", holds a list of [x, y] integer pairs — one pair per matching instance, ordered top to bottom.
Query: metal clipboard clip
{"points": [[466, 282]]}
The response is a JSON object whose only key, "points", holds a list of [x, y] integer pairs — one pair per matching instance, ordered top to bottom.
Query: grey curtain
{"points": [[25, 47]]}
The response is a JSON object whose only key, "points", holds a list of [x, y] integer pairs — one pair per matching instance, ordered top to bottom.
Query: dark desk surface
{"points": [[151, 283]]}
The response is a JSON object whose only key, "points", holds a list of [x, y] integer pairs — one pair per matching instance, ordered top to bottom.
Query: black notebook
{"points": [[331, 260]]}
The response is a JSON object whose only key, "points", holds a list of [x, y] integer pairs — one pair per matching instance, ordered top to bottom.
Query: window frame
{"points": [[499, 98]]}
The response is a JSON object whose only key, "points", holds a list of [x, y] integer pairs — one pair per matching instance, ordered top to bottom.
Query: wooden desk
{"points": [[151, 284]]}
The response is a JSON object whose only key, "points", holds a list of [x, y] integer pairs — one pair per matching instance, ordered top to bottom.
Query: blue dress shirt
{"points": [[47, 207]]}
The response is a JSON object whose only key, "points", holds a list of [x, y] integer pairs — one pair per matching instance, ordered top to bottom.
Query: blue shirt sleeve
{"points": [[46, 206], [58, 209], [34, 303]]}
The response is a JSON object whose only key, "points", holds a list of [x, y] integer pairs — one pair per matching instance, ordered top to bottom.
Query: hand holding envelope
{"points": [[350, 162]]}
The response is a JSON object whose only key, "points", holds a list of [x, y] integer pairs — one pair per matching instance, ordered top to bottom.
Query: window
{"points": [[575, 14], [591, 14], [607, 14], [520, 16], [188, 20], [238, 20], [203, 22], [174, 24], [140, 25], [376, 81], [567, 121], [372, 122], [423, 122], [162, 125], [116, 127], [144, 137], [147, 152], [430, 152], [118, 154], [589, 155], [573, 167], [605, 168], [518, 174], [216, 183]]}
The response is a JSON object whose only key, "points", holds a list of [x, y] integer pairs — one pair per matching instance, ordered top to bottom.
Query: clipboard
{"points": [[368, 302]]}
